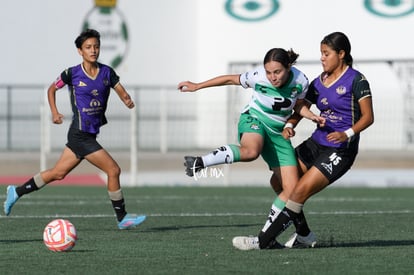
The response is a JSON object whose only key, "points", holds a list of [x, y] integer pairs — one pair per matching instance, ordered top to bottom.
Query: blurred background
{"points": [[153, 45]]}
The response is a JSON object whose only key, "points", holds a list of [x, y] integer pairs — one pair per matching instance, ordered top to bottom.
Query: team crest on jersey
{"points": [[82, 84], [341, 90], [294, 92], [254, 126]]}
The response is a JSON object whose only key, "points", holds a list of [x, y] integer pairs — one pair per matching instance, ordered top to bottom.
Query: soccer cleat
{"points": [[193, 165], [11, 198], [130, 221], [298, 241], [246, 243]]}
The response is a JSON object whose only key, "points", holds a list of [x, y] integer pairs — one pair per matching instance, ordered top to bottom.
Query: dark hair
{"points": [[86, 34], [338, 41], [286, 58]]}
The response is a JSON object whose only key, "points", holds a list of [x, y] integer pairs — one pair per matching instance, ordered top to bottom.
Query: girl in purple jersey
{"points": [[89, 85], [343, 97]]}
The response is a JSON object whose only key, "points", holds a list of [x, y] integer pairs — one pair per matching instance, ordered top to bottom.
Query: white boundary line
{"points": [[403, 211]]}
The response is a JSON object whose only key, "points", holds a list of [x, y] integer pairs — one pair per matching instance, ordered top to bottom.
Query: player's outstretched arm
{"points": [[188, 86]]}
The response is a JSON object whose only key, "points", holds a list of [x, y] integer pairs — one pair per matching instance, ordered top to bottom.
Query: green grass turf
{"points": [[189, 231]]}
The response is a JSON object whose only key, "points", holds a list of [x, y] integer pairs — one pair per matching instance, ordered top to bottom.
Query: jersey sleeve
{"points": [[65, 78], [114, 78], [250, 78], [301, 81], [305, 86], [360, 87], [311, 94]]}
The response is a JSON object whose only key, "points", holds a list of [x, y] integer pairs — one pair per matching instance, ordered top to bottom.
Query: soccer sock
{"points": [[226, 154], [31, 185], [118, 203], [277, 207], [281, 223], [301, 225]]}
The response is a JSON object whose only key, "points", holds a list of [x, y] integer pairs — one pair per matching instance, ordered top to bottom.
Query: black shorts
{"points": [[82, 143], [332, 162]]}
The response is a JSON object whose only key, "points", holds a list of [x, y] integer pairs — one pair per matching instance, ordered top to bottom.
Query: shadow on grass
{"points": [[175, 228], [20, 241], [374, 243]]}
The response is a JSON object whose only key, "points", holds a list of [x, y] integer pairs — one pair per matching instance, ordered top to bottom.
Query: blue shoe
{"points": [[11, 199], [130, 221]]}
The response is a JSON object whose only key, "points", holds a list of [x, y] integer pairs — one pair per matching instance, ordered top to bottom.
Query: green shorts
{"points": [[277, 151]]}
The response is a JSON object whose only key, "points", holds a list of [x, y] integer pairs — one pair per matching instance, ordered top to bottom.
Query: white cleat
{"points": [[298, 241], [246, 243]]}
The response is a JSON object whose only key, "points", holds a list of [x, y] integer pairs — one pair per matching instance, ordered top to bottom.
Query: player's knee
{"points": [[250, 154], [114, 171], [59, 175]]}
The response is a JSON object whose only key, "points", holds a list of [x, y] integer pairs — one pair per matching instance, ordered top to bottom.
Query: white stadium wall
{"points": [[171, 41]]}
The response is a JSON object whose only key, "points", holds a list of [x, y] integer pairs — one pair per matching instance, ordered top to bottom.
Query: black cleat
{"points": [[193, 165]]}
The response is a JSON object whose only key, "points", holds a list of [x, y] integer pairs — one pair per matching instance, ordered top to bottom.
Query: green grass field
{"points": [[189, 231]]}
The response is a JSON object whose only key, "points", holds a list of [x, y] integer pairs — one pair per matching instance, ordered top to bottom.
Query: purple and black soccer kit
{"points": [[89, 98], [338, 104]]}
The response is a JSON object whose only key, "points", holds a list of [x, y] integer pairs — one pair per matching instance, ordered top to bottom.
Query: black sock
{"points": [[26, 188], [119, 207], [282, 222], [301, 225]]}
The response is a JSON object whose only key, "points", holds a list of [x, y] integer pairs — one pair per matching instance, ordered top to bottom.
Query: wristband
{"points": [[288, 125], [349, 133]]}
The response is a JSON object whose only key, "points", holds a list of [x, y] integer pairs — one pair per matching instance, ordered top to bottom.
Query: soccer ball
{"points": [[59, 235]]}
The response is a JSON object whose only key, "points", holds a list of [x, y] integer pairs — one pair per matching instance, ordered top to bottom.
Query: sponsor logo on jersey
{"points": [[95, 103]]}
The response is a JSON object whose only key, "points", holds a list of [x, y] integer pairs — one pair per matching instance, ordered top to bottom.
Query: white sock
{"points": [[222, 155]]}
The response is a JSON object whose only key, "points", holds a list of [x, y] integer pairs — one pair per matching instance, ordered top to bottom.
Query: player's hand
{"points": [[187, 86], [129, 103], [57, 118], [319, 120], [288, 132], [337, 137]]}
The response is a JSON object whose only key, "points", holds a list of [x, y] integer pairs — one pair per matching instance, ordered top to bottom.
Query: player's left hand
{"points": [[337, 137]]}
